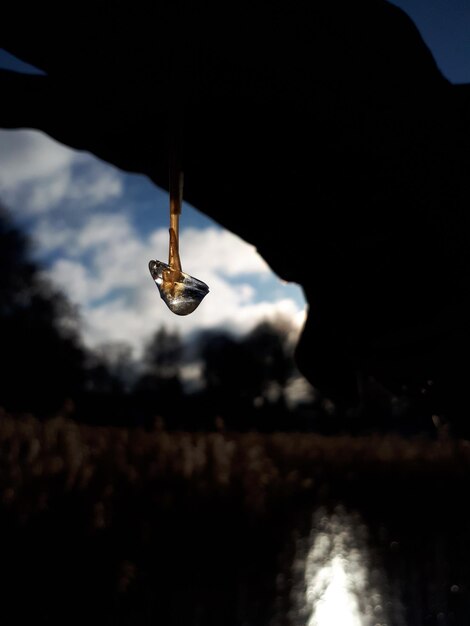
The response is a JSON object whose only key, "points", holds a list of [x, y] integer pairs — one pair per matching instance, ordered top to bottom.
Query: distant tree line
{"points": [[215, 380], [237, 382]]}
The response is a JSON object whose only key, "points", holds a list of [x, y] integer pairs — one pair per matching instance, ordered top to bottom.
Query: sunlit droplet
{"points": [[181, 292]]}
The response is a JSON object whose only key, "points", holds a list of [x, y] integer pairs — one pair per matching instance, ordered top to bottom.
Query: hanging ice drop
{"points": [[181, 292]]}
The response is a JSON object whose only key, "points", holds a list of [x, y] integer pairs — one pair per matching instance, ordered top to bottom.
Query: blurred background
{"points": [[157, 469]]}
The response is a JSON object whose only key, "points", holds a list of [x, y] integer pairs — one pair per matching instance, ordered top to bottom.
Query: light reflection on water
{"points": [[335, 579]]}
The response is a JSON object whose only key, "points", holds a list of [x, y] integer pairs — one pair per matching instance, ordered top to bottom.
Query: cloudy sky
{"points": [[94, 228]]}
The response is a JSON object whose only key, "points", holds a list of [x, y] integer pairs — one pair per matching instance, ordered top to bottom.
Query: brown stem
{"points": [[175, 139], [176, 201], [174, 260]]}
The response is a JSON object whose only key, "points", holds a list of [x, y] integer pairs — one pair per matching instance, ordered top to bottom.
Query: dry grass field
{"points": [[120, 526]]}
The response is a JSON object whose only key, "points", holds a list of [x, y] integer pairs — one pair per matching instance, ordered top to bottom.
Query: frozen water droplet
{"points": [[181, 292]]}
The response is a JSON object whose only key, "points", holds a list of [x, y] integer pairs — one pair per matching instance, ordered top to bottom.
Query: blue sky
{"points": [[445, 27], [95, 227]]}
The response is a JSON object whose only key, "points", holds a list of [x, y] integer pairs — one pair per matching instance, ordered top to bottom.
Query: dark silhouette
{"points": [[321, 132], [43, 364], [46, 369], [245, 378], [237, 383], [159, 390]]}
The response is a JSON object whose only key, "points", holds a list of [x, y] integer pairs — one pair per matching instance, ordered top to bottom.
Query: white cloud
{"points": [[27, 156], [37, 174], [99, 183], [47, 193], [51, 235], [223, 251], [73, 278], [119, 300], [135, 322]]}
